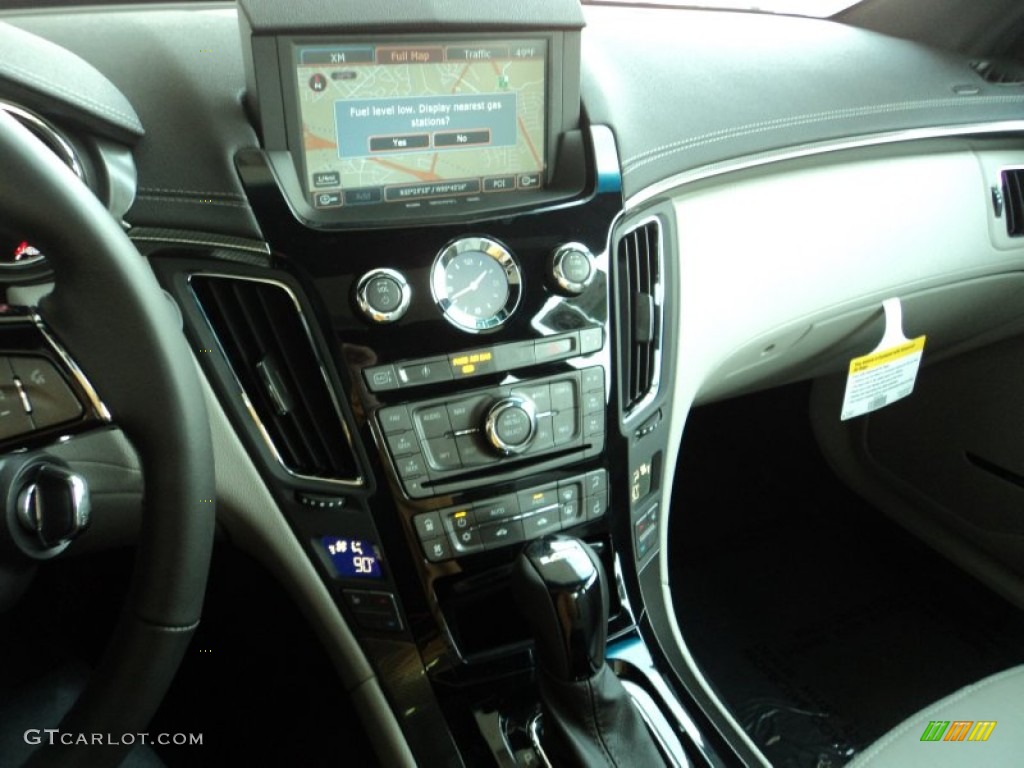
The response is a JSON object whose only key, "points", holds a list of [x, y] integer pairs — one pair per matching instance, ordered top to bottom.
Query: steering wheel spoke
{"points": [[44, 395]]}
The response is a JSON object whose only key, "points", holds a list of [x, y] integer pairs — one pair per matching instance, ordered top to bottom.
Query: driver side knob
{"points": [[54, 506], [560, 588]]}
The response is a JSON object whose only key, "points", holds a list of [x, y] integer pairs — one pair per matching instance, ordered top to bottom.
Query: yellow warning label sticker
{"points": [[875, 359], [887, 373], [882, 377]]}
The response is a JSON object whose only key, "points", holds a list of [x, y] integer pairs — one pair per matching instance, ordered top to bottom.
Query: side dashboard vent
{"points": [[1000, 72], [1013, 201], [641, 294], [264, 337]]}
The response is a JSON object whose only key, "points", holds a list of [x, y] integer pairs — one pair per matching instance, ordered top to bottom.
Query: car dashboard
{"points": [[491, 324]]}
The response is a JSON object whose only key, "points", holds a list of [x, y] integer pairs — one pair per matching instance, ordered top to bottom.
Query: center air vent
{"points": [[1000, 72], [1013, 201], [640, 300], [261, 331]]}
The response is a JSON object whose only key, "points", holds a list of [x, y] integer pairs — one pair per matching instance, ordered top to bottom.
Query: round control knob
{"points": [[572, 268], [383, 295], [510, 425]]}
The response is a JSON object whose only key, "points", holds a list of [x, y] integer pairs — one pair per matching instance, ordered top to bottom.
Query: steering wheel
{"points": [[112, 318]]}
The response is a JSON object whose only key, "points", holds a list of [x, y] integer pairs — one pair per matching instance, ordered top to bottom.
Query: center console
{"points": [[423, 356]]}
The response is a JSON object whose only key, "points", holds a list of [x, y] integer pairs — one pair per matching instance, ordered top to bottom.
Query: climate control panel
{"points": [[444, 445], [512, 518]]}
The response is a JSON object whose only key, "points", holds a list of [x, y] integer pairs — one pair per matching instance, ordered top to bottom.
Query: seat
{"points": [[951, 733]]}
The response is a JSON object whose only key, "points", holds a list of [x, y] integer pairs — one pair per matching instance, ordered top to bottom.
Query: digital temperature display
{"points": [[353, 558]]}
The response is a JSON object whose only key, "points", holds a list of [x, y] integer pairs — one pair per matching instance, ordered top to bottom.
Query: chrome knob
{"points": [[572, 268], [383, 295], [510, 425]]}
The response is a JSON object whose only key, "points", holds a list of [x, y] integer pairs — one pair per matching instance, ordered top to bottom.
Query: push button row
{"points": [[477, 362], [514, 518]]}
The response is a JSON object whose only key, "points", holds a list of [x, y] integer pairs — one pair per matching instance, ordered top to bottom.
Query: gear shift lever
{"points": [[561, 590], [590, 718]]}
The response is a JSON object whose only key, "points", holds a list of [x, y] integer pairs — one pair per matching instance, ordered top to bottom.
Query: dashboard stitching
{"points": [[128, 120], [645, 158], [175, 191], [169, 199]]}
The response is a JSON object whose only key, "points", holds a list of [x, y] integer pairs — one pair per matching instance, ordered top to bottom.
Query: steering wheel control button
{"points": [[572, 268], [383, 295], [426, 372], [381, 378], [51, 400], [14, 418], [510, 425]]}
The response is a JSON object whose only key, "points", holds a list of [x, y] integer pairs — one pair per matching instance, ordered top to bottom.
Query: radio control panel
{"points": [[463, 441]]}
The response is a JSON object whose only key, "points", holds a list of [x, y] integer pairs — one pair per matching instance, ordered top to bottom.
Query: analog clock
{"points": [[476, 284]]}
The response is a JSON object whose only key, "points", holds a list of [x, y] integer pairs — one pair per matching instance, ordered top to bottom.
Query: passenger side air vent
{"points": [[1000, 72], [1013, 201], [640, 299], [261, 331]]}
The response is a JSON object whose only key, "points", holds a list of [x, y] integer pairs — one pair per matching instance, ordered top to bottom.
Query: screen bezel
{"points": [[284, 147]]}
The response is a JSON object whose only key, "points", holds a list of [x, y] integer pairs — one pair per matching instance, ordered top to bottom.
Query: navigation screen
{"points": [[404, 122]]}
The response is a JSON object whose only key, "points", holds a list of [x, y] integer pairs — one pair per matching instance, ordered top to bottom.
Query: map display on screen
{"points": [[402, 122]]}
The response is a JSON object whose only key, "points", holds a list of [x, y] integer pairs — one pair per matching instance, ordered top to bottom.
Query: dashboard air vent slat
{"points": [[1000, 72], [1013, 201], [639, 269], [261, 332]]}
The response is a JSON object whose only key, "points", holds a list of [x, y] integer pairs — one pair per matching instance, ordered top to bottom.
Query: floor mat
{"points": [[821, 623]]}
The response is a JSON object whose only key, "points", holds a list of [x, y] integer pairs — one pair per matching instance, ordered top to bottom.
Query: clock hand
{"points": [[473, 285]]}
